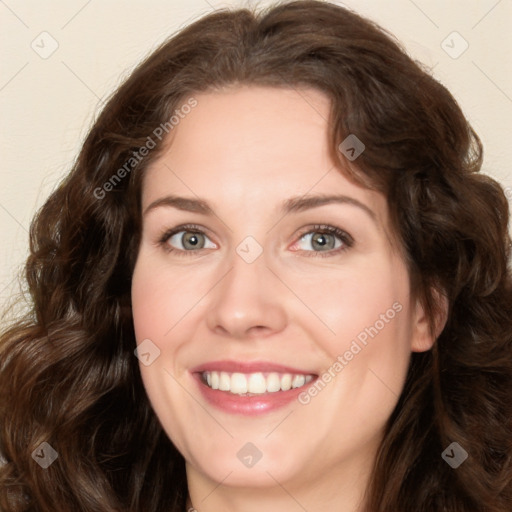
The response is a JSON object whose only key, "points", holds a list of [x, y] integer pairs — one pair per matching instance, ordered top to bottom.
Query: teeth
{"points": [[214, 377], [224, 381], [298, 381], [286, 382], [238, 383], [254, 383], [257, 383], [273, 383]]}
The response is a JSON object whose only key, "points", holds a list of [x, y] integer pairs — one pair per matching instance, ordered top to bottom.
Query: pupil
{"points": [[191, 240], [321, 240]]}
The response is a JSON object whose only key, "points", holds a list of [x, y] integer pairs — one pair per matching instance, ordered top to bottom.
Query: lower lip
{"points": [[248, 405]]}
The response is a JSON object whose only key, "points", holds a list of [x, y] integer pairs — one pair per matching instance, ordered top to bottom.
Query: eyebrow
{"points": [[181, 203], [294, 204], [299, 204]]}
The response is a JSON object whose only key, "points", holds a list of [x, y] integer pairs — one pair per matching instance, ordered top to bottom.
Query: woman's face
{"points": [[265, 272]]}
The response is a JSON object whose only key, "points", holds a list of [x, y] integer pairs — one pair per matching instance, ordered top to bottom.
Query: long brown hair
{"points": [[68, 374]]}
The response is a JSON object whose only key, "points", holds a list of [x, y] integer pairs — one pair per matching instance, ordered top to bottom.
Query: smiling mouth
{"points": [[258, 383]]}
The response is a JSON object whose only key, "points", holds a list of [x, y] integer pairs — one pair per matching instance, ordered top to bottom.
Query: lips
{"points": [[250, 388]]}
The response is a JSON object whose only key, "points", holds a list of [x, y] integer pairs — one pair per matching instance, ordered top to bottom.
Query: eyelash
{"points": [[345, 238]]}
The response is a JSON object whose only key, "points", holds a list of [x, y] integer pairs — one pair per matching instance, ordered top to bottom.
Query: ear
{"points": [[424, 337]]}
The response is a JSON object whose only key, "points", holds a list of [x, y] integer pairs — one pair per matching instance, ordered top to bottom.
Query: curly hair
{"points": [[68, 374]]}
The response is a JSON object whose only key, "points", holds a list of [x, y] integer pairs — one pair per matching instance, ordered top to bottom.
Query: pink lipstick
{"points": [[250, 388]]}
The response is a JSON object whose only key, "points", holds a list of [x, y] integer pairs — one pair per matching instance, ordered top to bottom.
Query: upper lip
{"points": [[248, 367]]}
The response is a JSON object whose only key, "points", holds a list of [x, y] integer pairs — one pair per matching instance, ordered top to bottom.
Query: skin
{"points": [[245, 151]]}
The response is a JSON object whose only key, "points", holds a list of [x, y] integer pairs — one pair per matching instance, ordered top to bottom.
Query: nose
{"points": [[247, 303]]}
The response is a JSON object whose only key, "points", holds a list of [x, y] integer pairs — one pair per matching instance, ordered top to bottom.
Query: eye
{"points": [[186, 239], [324, 239]]}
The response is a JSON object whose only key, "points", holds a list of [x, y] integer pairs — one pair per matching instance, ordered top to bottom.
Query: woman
{"points": [[274, 279]]}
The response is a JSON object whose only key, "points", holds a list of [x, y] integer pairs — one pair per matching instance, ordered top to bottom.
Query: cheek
{"points": [[161, 297], [154, 298], [362, 302], [158, 303], [367, 341]]}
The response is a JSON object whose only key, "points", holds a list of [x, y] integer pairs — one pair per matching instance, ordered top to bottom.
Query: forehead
{"points": [[253, 147]]}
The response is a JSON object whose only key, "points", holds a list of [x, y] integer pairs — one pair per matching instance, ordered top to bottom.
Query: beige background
{"points": [[48, 102]]}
